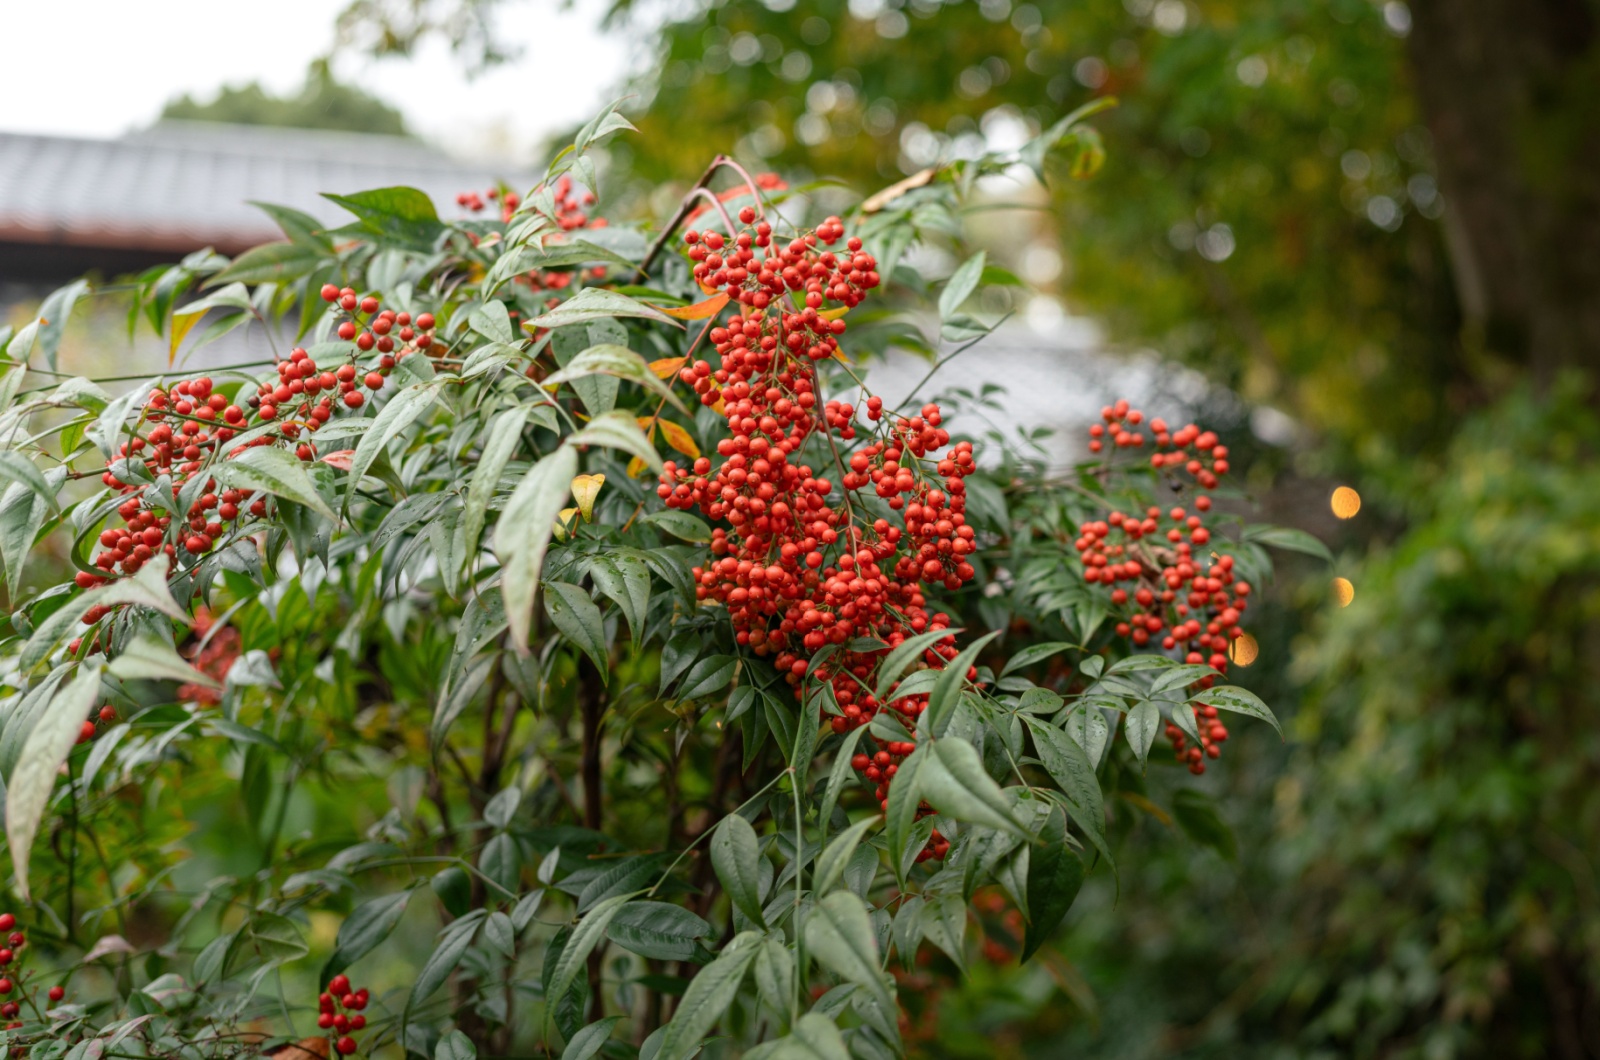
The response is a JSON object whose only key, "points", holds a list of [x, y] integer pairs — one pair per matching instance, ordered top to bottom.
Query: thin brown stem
{"points": [[684, 209]]}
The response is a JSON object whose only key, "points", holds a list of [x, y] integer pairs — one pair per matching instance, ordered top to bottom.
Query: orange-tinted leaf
{"points": [[700, 310], [667, 367], [720, 408], [680, 439], [340, 460], [637, 467]]}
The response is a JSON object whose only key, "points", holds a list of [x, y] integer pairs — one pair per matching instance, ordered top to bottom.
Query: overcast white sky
{"points": [[98, 68]]}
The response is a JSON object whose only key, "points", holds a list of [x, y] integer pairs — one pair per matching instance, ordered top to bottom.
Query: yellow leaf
{"points": [[700, 310], [835, 313], [182, 324], [839, 356], [667, 367], [720, 408], [648, 425], [679, 439], [637, 467], [585, 488], [564, 523]]}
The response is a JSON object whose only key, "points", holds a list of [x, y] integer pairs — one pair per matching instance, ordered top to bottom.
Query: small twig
{"points": [[684, 209]]}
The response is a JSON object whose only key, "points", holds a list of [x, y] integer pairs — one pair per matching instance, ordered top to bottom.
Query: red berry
{"points": [[57, 993]]}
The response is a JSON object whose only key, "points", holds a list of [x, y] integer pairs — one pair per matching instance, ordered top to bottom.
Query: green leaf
{"points": [[400, 215], [299, 226], [523, 259], [269, 263], [961, 284], [596, 303], [492, 321], [44, 331], [619, 362], [401, 412], [618, 430], [505, 431], [14, 467], [276, 471], [22, 514], [681, 525], [523, 533], [1288, 539], [625, 579], [148, 588], [578, 619], [1035, 653], [151, 658], [900, 659], [707, 677], [947, 689], [1239, 701], [1144, 721], [1069, 765], [839, 774], [33, 778], [954, 783], [904, 795], [1198, 817], [836, 855], [736, 857], [1055, 875], [626, 876], [453, 887], [944, 923], [367, 925], [659, 930], [839, 934], [585, 936], [453, 943], [710, 993], [815, 1037], [588, 1041], [455, 1046]]}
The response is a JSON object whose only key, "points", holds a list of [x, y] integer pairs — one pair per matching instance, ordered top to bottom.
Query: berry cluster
{"points": [[471, 200], [182, 425], [800, 567], [1162, 587], [14, 990], [341, 1025]]}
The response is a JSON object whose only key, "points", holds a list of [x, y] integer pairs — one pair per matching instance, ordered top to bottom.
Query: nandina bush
{"points": [[560, 650]]}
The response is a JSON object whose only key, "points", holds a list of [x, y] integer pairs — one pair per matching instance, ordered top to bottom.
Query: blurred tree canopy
{"points": [[321, 103]]}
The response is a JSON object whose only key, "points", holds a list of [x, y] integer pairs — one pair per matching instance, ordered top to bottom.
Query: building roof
{"points": [[179, 186]]}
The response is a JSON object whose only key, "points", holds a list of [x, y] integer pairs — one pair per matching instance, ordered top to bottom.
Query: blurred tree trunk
{"points": [[1511, 93]]}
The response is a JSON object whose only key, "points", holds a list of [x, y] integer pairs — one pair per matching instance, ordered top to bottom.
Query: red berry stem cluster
{"points": [[183, 425], [798, 566], [1162, 587], [14, 990], [342, 1025]]}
